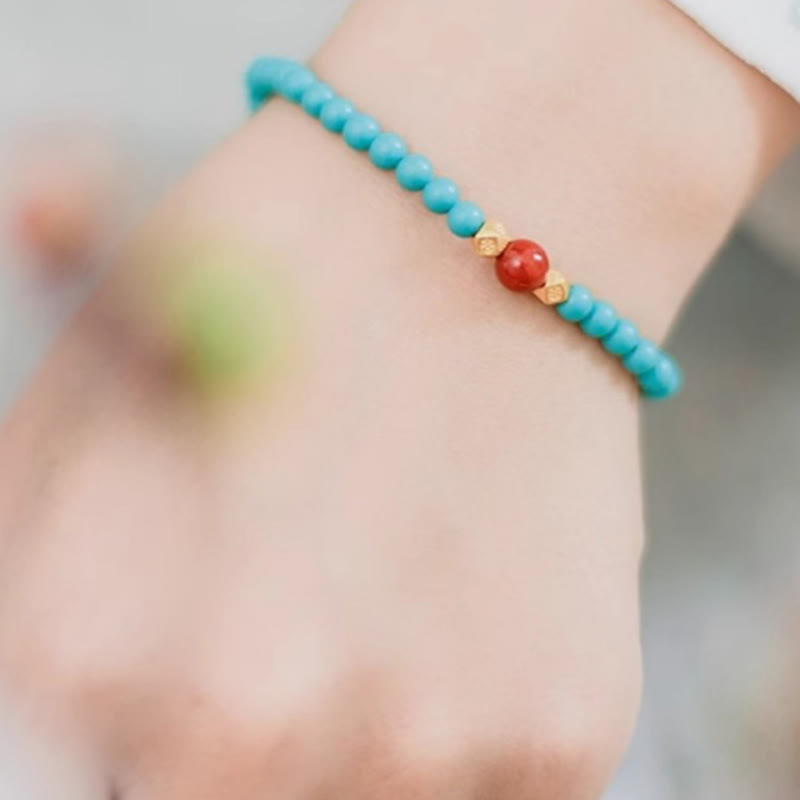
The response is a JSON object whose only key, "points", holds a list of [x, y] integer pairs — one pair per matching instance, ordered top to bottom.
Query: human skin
{"points": [[409, 569]]}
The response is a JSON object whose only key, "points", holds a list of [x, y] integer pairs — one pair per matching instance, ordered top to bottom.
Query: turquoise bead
{"points": [[264, 73], [262, 78], [294, 81], [315, 97], [256, 99], [335, 113], [360, 131], [387, 150], [414, 172], [440, 195], [465, 218], [578, 305], [601, 321], [622, 339], [642, 359], [663, 380]]}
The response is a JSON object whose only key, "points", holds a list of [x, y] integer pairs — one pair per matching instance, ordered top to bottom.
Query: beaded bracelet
{"points": [[521, 265]]}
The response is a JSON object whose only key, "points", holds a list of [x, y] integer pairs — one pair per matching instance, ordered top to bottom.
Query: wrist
{"points": [[607, 149]]}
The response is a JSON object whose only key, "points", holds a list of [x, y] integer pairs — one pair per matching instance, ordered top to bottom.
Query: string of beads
{"points": [[521, 265]]}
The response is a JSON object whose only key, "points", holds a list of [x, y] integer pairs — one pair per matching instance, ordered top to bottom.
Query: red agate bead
{"points": [[522, 266]]}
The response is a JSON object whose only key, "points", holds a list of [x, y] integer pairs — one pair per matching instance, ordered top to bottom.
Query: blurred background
{"points": [[140, 91]]}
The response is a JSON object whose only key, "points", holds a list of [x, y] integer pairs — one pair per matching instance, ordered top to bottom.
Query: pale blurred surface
{"points": [[721, 586]]}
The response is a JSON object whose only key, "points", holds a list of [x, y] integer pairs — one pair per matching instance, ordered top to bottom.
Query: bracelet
{"points": [[521, 265]]}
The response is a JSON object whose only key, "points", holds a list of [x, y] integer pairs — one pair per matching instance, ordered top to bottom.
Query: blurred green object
{"points": [[226, 314]]}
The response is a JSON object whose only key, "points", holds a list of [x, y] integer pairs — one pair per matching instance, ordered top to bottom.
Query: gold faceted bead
{"points": [[491, 239], [555, 289]]}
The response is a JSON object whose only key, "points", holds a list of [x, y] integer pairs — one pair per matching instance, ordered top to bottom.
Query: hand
{"points": [[411, 569], [376, 582]]}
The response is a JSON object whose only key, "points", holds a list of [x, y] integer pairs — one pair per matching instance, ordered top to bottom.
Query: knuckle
{"points": [[51, 646], [46, 662], [244, 731], [218, 747], [270, 750], [569, 755], [569, 758], [411, 767], [396, 778]]}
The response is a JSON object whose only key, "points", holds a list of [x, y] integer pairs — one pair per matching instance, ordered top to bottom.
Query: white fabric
{"points": [[765, 33]]}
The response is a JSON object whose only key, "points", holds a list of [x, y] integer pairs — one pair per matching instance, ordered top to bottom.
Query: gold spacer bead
{"points": [[491, 239], [555, 289]]}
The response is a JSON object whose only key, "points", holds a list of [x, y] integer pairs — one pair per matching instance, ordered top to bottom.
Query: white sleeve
{"points": [[764, 33]]}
